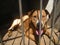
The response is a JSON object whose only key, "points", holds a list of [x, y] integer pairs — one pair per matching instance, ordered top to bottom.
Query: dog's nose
{"points": [[39, 24]]}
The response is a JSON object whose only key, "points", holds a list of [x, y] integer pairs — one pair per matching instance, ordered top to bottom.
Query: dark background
{"points": [[10, 8]]}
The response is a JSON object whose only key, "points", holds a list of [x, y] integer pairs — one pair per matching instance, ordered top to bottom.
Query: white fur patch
{"points": [[25, 17], [47, 17], [18, 21], [37, 21]]}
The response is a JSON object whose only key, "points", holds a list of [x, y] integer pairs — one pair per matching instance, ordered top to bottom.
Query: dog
{"points": [[32, 24]]}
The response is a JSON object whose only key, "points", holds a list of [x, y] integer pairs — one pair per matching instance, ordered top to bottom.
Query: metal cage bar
{"points": [[20, 9], [40, 17], [52, 21]]}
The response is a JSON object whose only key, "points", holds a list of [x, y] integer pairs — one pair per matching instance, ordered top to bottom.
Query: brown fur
{"points": [[30, 25], [31, 32]]}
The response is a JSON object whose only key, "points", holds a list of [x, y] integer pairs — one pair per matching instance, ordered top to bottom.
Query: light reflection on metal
{"points": [[20, 9], [40, 17], [52, 21]]}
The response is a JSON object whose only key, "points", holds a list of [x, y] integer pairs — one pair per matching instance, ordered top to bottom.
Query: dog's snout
{"points": [[39, 24]]}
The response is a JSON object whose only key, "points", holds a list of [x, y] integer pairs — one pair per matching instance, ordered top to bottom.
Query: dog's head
{"points": [[35, 18]]}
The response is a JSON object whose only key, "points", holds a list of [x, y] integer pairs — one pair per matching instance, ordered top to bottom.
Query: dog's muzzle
{"points": [[39, 25]]}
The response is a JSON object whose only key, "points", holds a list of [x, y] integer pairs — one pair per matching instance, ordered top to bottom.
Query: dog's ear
{"points": [[30, 12], [48, 15]]}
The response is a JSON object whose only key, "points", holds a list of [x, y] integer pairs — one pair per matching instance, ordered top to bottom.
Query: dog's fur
{"points": [[30, 24]]}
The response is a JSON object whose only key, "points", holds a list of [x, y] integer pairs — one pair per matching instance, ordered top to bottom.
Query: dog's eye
{"points": [[34, 16], [43, 16]]}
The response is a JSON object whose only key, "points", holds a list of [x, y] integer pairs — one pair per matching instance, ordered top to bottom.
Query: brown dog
{"points": [[34, 24], [31, 25]]}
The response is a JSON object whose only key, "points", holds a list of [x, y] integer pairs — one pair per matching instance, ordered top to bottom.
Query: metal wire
{"points": [[20, 9], [40, 17], [52, 21], [59, 37], [29, 38], [14, 39], [44, 40], [21, 41]]}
